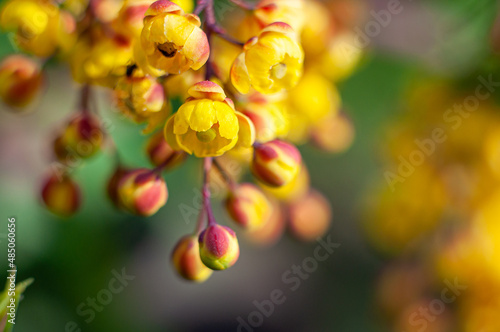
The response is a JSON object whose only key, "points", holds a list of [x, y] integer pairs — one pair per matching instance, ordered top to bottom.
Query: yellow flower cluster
{"points": [[242, 97]]}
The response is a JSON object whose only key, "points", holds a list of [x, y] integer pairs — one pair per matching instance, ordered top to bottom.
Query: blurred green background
{"points": [[72, 260]]}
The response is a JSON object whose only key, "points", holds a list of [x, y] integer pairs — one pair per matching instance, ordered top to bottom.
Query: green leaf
{"points": [[5, 299]]}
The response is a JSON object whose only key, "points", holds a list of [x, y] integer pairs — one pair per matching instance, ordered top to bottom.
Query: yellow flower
{"points": [[41, 28], [318, 28], [172, 42], [341, 58], [100, 62], [269, 63], [142, 99], [310, 102], [207, 124]]}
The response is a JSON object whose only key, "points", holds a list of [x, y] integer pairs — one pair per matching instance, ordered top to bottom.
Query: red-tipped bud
{"points": [[20, 80], [82, 138], [161, 153], [276, 163], [112, 186], [142, 192], [61, 195], [248, 206], [310, 216], [219, 247], [187, 262]]}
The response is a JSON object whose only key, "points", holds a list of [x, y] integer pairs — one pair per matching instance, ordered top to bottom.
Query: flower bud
{"points": [[106, 10], [129, 19], [20, 80], [268, 118], [334, 134], [81, 138], [161, 153], [276, 163], [112, 187], [294, 190], [142, 192], [61, 195], [248, 206], [310, 217], [272, 228], [219, 247], [187, 262]]}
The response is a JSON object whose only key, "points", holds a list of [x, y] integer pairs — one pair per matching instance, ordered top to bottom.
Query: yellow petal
{"points": [[239, 75], [203, 117], [228, 122], [169, 133], [246, 133]]}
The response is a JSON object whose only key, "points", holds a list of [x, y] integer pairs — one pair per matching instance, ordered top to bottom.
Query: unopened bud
{"points": [[276, 163], [142, 192], [61, 195], [248, 206], [310, 217], [219, 247], [187, 262]]}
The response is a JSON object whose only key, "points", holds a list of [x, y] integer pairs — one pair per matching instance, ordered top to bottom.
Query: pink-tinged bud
{"points": [[106, 10], [129, 20], [20, 80], [334, 134], [81, 139], [161, 153], [276, 163], [112, 186], [142, 192], [61, 195], [248, 206], [310, 217], [273, 227], [219, 247], [187, 261]]}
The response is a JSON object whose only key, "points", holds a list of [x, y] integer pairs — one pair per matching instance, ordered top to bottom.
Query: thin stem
{"points": [[242, 4], [200, 6], [211, 21], [219, 31], [209, 69], [85, 98], [164, 164], [207, 165], [227, 178], [201, 221]]}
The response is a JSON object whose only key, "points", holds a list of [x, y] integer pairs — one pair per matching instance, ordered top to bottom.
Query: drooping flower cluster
{"points": [[247, 97]]}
